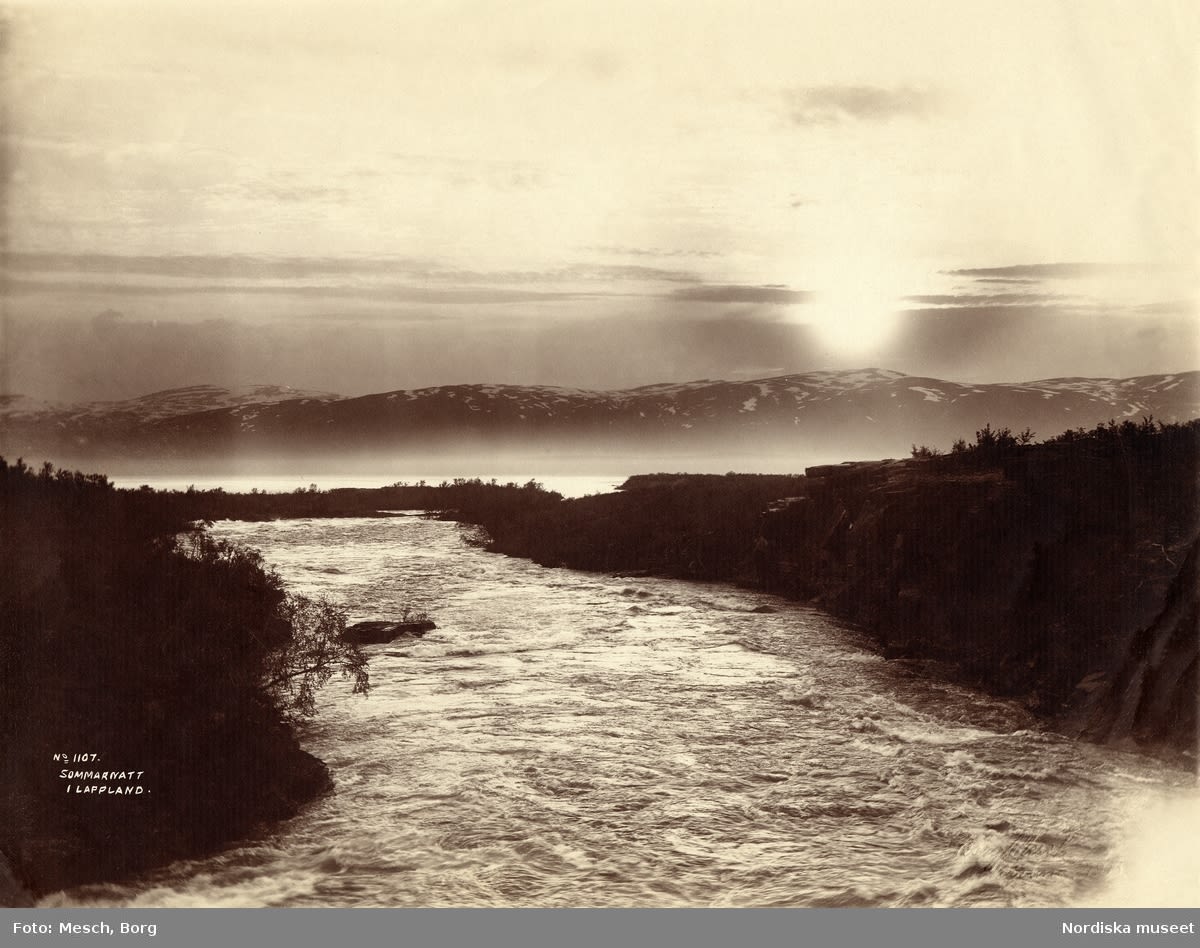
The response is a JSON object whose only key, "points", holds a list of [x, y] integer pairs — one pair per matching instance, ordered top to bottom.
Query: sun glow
{"points": [[855, 306], [853, 320]]}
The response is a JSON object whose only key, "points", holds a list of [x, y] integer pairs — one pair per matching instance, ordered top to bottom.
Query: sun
{"points": [[853, 317]]}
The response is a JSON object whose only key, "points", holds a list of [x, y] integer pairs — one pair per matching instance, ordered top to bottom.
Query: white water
{"points": [[574, 739]]}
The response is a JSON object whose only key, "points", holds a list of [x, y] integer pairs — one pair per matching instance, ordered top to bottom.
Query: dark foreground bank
{"points": [[148, 680]]}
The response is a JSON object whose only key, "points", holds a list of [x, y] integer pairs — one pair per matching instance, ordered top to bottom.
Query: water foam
{"points": [[1157, 858]]}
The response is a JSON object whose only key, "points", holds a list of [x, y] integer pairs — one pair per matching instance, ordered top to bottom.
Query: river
{"points": [[577, 739]]}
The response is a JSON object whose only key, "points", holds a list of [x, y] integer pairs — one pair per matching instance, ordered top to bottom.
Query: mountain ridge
{"points": [[854, 411]]}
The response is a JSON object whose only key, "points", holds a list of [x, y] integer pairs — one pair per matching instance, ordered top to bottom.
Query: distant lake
{"points": [[572, 475], [569, 485]]}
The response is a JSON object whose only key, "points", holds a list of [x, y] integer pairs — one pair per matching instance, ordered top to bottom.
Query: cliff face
{"points": [[1064, 574], [1154, 693]]}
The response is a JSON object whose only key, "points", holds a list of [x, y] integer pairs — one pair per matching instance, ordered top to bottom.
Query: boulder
{"points": [[379, 633]]}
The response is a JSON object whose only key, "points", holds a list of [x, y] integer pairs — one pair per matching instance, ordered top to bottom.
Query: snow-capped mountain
{"points": [[164, 404], [868, 411]]}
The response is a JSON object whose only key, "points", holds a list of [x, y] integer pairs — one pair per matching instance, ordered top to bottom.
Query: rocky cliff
{"points": [[1064, 573]]}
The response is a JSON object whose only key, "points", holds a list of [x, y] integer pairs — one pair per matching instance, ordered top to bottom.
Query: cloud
{"points": [[829, 105], [285, 193], [648, 251], [210, 266], [247, 267], [1054, 271], [602, 273], [385, 293], [715, 293], [982, 299], [1170, 308], [1009, 343], [675, 344], [615, 345], [121, 358]]}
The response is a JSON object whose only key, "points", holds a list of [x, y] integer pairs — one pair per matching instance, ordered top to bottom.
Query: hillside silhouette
{"points": [[131, 636]]}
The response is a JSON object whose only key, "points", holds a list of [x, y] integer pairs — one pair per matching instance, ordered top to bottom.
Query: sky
{"points": [[359, 197]]}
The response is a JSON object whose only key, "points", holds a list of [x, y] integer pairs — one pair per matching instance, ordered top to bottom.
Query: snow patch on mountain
{"points": [[842, 405]]}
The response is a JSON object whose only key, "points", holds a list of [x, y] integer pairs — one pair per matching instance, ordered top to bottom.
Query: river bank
{"points": [[1056, 573], [150, 666]]}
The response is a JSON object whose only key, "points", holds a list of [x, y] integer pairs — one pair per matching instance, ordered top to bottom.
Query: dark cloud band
{"points": [[824, 105], [1054, 271], [742, 294]]}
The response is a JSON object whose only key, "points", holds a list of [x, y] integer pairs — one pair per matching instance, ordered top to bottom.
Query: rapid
{"points": [[578, 739]]}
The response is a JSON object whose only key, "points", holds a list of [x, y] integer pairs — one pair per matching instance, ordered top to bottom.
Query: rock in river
{"points": [[378, 633]]}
